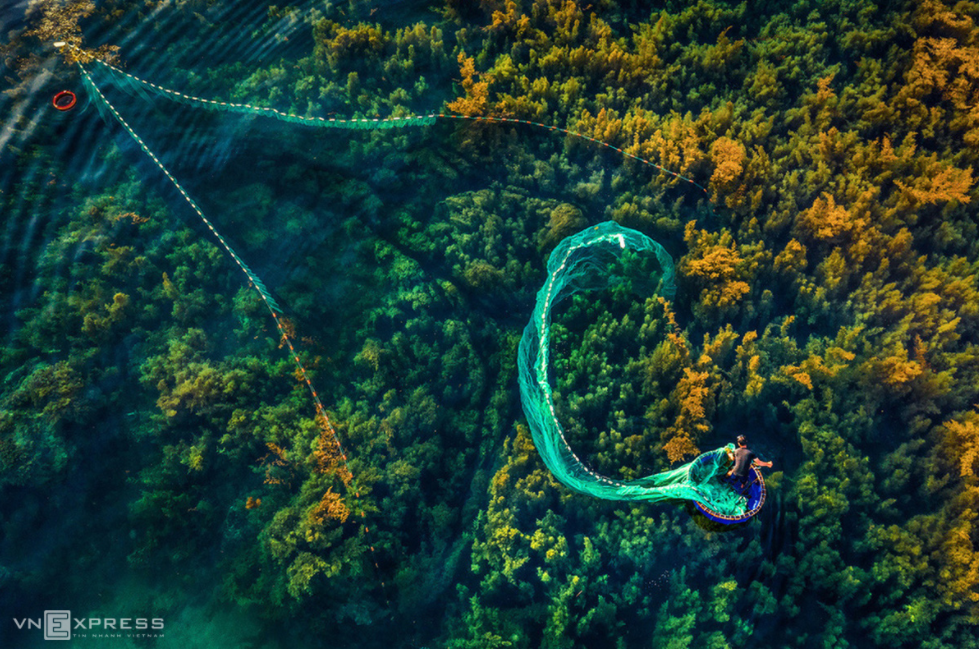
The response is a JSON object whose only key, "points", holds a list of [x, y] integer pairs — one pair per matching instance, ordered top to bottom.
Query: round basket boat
{"points": [[755, 493]]}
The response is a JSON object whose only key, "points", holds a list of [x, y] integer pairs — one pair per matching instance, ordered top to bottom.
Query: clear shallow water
{"points": [[162, 461]]}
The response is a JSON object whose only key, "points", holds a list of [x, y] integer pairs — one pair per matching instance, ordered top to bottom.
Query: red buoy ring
{"points": [[64, 100]]}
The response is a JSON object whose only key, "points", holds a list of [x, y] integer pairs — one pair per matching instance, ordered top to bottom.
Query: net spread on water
{"points": [[588, 261], [579, 263]]}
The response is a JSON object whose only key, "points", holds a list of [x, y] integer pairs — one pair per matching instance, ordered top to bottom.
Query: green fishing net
{"points": [[598, 259], [590, 260]]}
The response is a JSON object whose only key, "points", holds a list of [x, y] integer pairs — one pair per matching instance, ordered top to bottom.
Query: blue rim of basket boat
{"points": [[756, 498]]}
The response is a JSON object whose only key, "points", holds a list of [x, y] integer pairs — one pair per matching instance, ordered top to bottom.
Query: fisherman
{"points": [[744, 459]]}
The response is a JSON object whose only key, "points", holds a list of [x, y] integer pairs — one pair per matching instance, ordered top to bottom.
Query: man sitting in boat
{"points": [[744, 459]]}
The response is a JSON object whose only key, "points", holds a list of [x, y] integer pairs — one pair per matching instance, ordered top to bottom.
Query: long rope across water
{"points": [[376, 123], [253, 280]]}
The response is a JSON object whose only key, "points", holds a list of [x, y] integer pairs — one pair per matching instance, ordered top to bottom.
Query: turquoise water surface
{"points": [[263, 285]]}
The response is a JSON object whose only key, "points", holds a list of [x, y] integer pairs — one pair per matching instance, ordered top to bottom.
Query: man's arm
{"points": [[757, 462]]}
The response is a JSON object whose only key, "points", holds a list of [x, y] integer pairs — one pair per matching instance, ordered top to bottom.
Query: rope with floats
{"points": [[380, 123], [281, 322]]}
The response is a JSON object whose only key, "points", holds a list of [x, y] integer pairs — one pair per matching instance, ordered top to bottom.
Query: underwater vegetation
{"points": [[158, 446]]}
